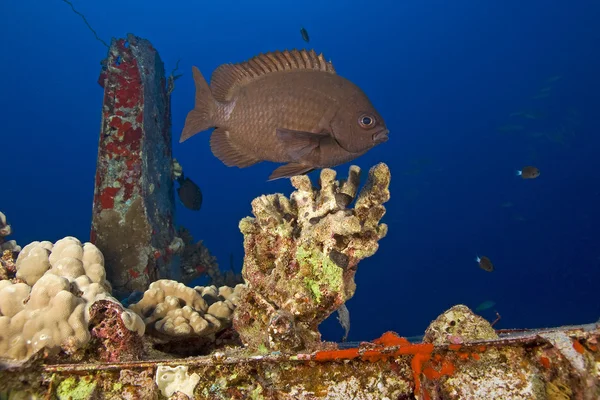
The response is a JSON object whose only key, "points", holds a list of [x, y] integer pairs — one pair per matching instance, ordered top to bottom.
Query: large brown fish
{"points": [[286, 107]]}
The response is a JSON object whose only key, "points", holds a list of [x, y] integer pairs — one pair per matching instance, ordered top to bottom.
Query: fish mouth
{"points": [[381, 136]]}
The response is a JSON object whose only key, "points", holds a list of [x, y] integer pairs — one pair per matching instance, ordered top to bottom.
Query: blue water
{"points": [[444, 75]]}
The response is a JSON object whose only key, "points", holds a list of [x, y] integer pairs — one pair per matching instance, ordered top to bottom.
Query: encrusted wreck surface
{"points": [[132, 221], [560, 363]]}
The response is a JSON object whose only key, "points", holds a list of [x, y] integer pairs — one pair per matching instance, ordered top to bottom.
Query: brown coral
{"points": [[302, 254]]}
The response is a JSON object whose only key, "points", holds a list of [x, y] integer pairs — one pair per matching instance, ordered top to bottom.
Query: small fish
{"points": [[304, 34], [286, 107], [529, 173], [189, 193], [485, 263], [134, 297], [486, 305], [344, 320]]}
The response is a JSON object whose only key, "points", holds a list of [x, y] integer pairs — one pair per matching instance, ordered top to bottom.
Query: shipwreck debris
{"points": [[133, 212]]}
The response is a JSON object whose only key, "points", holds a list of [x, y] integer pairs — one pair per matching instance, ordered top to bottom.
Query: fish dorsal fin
{"points": [[228, 77]]}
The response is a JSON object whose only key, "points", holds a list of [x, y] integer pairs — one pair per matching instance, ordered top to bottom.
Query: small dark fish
{"points": [[304, 34], [286, 107], [529, 173], [189, 193], [485, 263], [133, 298]]}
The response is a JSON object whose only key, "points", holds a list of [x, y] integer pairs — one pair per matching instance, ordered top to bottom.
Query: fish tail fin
{"points": [[202, 116], [519, 172]]}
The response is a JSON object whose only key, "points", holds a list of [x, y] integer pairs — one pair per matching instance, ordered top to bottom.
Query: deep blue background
{"points": [[444, 74]]}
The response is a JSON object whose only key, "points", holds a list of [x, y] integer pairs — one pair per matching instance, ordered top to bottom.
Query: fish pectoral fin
{"points": [[299, 144], [228, 152], [289, 170]]}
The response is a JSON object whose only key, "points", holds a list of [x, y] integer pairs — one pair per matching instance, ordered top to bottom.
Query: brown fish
{"points": [[285, 107], [529, 173], [189, 193], [485, 263]]}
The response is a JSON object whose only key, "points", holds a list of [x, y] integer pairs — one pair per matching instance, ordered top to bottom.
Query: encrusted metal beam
{"points": [[133, 212], [557, 363]]}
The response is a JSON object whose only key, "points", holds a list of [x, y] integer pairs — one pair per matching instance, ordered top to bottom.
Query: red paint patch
{"points": [[107, 198], [200, 268], [391, 339], [578, 346], [330, 355], [447, 368]]}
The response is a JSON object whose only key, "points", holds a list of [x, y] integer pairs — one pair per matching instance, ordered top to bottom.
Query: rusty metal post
{"points": [[133, 211]]}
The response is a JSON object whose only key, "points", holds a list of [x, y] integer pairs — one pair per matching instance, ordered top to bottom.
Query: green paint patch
{"points": [[322, 271], [74, 389]]}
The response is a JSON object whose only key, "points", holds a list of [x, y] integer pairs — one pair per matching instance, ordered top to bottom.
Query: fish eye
{"points": [[366, 121]]}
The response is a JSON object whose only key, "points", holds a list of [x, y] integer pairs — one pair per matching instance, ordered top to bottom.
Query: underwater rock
{"points": [[301, 255]]}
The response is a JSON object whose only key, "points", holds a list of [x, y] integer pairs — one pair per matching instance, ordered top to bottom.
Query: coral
{"points": [[6, 230], [301, 255], [7, 265], [47, 306], [172, 310], [458, 325], [116, 335], [495, 375], [176, 379]]}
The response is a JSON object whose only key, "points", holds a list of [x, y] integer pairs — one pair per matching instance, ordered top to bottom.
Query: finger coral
{"points": [[302, 254], [47, 305]]}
